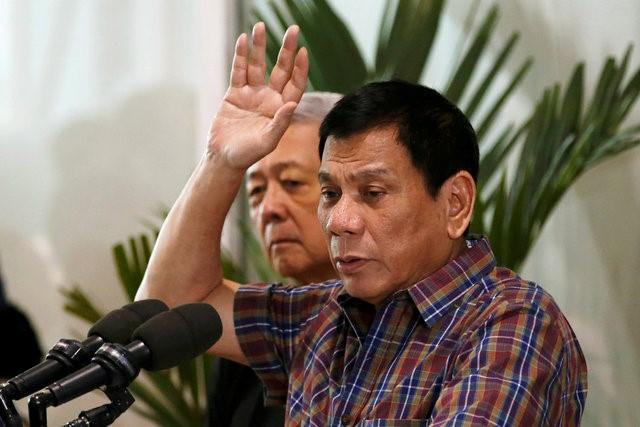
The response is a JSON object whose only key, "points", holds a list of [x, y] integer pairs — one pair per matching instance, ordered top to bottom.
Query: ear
{"points": [[461, 196]]}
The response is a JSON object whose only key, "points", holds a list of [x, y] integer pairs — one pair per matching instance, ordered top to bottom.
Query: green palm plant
{"points": [[560, 140], [174, 397]]}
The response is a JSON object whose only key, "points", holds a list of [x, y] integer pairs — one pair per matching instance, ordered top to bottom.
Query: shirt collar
{"points": [[438, 293]]}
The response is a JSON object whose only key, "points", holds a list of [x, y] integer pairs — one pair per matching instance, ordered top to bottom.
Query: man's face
{"points": [[283, 198], [385, 232]]}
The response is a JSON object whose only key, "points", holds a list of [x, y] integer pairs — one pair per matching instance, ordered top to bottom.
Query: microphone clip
{"points": [[104, 415]]}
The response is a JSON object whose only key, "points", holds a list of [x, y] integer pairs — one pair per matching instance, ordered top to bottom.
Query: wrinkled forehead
{"points": [[371, 145], [368, 155]]}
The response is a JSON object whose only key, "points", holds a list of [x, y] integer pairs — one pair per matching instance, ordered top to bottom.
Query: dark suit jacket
{"points": [[235, 398]]}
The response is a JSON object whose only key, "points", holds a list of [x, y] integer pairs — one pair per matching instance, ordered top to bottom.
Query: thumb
{"points": [[280, 122]]}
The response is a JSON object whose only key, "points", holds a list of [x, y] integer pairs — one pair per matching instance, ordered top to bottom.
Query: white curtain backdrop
{"points": [[104, 109]]}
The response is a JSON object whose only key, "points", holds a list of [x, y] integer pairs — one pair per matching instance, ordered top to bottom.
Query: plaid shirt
{"points": [[471, 344]]}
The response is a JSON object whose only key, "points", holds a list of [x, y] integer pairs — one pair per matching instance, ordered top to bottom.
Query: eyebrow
{"points": [[278, 167], [361, 175]]}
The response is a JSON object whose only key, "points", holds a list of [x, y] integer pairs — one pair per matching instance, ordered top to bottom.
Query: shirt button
{"points": [[346, 419]]}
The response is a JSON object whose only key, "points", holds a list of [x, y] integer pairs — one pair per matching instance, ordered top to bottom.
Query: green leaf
{"points": [[405, 43], [335, 51], [490, 76], [461, 77], [613, 93], [627, 99], [598, 102], [572, 105], [489, 118], [608, 147], [490, 162], [546, 193], [517, 219], [477, 221], [496, 233], [259, 262], [128, 266], [230, 270], [78, 304], [188, 376], [173, 394], [157, 407], [149, 415]]}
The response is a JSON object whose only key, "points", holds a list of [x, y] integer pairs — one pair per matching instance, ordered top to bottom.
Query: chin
{"points": [[287, 268], [362, 289]]}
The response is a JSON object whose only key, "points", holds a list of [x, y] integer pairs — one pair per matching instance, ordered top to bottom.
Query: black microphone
{"points": [[160, 343], [68, 355]]}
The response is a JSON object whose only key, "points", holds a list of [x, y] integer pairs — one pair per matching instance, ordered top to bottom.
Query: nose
{"points": [[273, 205], [345, 218]]}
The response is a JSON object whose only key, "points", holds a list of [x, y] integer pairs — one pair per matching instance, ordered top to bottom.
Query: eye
{"points": [[291, 184], [255, 191], [373, 193], [256, 194], [329, 194]]}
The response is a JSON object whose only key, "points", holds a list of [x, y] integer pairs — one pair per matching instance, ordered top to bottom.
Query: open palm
{"points": [[255, 114]]}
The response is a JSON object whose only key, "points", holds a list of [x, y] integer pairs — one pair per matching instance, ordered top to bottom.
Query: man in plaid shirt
{"points": [[422, 328]]}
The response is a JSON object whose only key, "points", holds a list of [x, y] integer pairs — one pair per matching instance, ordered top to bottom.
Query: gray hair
{"points": [[314, 106]]}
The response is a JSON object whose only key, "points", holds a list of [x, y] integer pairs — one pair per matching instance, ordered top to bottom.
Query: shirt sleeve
{"points": [[269, 321], [521, 366]]}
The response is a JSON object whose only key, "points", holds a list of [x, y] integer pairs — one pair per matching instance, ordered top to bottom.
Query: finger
{"points": [[284, 65], [257, 66], [239, 68], [298, 82], [280, 123]]}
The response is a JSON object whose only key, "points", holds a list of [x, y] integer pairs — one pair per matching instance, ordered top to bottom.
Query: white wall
{"points": [[104, 109]]}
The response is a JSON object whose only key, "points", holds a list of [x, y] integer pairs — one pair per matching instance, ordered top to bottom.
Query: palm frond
{"points": [[405, 39], [461, 76], [558, 145]]}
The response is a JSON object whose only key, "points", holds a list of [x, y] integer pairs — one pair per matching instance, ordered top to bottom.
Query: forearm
{"points": [[185, 264]]}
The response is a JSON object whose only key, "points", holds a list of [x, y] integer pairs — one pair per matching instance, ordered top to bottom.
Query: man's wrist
{"points": [[216, 160]]}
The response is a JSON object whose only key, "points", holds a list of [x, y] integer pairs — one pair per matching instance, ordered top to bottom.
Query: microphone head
{"points": [[117, 326], [179, 334]]}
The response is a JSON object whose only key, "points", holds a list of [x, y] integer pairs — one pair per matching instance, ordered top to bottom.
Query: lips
{"points": [[283, 241], [350, 264]]}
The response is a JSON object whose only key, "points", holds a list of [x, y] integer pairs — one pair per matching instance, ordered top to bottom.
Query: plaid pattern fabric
{"points": [[471, 344]]}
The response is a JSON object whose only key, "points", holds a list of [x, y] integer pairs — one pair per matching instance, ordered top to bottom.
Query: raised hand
{"points": [[254, 115]]}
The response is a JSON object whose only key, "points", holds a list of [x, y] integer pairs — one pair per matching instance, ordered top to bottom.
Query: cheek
{"points": [[324, 216], [254, 217], [311, 227], [406, 233]]}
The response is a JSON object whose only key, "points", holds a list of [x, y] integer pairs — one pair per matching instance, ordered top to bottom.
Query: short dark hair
{"points": [[438, 136]]}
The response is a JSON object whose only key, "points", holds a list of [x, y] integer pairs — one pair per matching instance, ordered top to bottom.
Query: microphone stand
{"points": [[61, 359], [115, 367], [121, 400], [38, 404], [9, 417]]}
